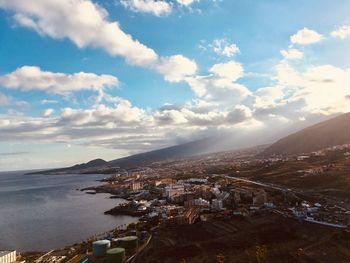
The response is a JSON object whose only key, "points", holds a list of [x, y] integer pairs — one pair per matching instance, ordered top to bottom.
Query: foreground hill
{"points": [[329, 133], [237, 240]]}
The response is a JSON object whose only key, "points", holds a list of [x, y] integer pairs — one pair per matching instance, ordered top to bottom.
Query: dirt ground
{"points": [[264, 238]]}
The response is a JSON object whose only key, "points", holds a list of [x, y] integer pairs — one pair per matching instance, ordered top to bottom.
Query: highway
{"points": [[259, 183], [284, 190]]}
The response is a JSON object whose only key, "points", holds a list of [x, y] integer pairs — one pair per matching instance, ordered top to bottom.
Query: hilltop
{"points": [[335, 131]]}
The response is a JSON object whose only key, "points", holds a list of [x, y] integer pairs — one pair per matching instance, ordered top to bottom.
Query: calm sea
{"points": [[43, 212]]}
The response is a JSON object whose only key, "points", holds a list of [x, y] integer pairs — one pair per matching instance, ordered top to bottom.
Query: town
{"points": [[224, 187]]}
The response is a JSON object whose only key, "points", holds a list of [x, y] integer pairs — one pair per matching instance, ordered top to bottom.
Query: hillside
{"points": [[335, 131], [183, 150], [78, 168]]}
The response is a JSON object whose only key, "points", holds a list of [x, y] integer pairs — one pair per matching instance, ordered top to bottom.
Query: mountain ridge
{"points": [[332, 132]]}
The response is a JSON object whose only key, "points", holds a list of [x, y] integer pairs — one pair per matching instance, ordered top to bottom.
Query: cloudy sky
{"points": [[81, 79]]}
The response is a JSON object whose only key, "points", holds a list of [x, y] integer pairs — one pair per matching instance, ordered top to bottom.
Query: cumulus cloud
{"points": [[185, 2], [155, 7], [83, 22], [87, 25], [342, 32], [306, 36], [224, 48], [292, 54], [176, 68], [33, 78], [220, 86], [315, 90], [296, 95], [268, 96], [47, 112], [122, 113], [190, 115]]}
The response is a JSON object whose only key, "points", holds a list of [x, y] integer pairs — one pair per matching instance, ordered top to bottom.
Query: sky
{"points": [[85, 79]]}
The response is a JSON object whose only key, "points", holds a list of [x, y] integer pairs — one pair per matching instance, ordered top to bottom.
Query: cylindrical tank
{"points": [[133, 233], [129, 243], [99, 248], [115, 255]]}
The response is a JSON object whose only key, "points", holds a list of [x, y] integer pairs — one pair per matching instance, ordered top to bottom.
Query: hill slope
{"points": [[329, 133], [183, 150], [78, 168]]}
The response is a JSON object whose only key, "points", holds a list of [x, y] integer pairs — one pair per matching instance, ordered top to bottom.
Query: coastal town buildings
{"points": [[136, 185], [174, 190], [8, 256]]}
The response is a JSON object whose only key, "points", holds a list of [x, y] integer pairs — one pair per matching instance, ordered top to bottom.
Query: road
{"points": [[259, 183], [284, 190]]}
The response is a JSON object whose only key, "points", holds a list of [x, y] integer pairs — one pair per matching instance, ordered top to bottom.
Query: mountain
{"points": [[335, 131], [193, 148], [182, 150], [78, 168]]}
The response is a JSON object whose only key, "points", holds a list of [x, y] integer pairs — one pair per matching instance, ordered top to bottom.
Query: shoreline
{"points": [[55, 210]]}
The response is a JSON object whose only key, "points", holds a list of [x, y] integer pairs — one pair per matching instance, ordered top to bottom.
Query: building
{"points": [[136, 185], [174, 190], [197, 203], [217, 204], [299, 213], [187, 218], [8, 256]]}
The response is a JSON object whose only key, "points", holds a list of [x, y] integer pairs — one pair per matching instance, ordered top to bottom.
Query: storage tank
{"points": [[133, 233], [129, 243], [99, 248], [115, 255]]}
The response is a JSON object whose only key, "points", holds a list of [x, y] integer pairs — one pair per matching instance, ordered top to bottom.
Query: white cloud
{"points": [[185, 2], [155, 7], [83, 22], [87, 25], [342, 32], [306, 36], [224, 48], [292, 54], [176, 68], [229, 71], [33, 78], [220, 86], [321, 89], [268, 96], [46, 101], [47, 112], [123, 113]]}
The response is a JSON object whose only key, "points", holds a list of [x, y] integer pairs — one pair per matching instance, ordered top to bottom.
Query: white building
{"points": [[136, 185], [172, 190], [201, 202], [8, 256]]}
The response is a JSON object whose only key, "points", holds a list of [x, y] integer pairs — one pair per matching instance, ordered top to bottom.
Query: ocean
{"points": [[44, 212]]}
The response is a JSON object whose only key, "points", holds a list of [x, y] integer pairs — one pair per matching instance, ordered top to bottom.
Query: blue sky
{"points": [[84, 79]]}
